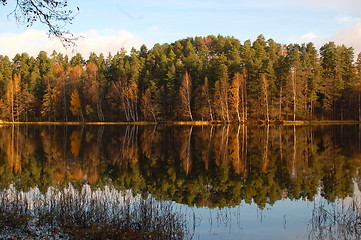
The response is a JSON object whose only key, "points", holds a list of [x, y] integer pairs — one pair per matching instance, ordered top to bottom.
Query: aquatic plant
{"points": [[93, 214]]}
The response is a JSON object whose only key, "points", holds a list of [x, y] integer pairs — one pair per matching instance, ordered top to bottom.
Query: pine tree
{"points": [[312, 71], [296, 83], [47, 106]]}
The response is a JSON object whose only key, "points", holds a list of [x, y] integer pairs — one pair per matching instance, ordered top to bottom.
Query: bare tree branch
{"points": [[54, 14]]}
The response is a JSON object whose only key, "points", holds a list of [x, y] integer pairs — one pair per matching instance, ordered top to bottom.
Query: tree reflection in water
{"points": [[212, 166]]}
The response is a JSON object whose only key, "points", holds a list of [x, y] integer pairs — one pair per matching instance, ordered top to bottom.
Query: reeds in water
{"points": [[87, 214], [336, 220]]}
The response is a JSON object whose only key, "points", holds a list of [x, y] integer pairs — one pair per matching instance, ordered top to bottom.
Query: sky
{"points": [[109, 25]]}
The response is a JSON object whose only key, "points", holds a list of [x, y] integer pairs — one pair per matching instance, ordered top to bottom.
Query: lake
{"points": [[219, 182]]}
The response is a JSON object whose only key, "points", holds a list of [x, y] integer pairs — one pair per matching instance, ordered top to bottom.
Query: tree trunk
{"points": [[294, 88], [185, 92], [265, 92], [243, 104], [359, 106], [280, 107]]}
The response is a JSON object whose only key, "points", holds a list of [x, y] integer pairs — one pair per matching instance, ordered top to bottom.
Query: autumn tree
{"points": [[221, 88], [93, 90], [61, 92], [185, 94], [13, 97], [125, 97], [237, 97], [234, 98], [132, 100], [220, 100], [204, 102], [75, 105], [147, 107]]}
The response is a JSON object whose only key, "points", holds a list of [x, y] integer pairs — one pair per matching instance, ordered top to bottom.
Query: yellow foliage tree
{"points": [[12, 96], [234, 98], [75, 105]]}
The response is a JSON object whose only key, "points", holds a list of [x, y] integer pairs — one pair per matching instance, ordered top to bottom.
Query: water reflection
{"points": [[213, 166]]}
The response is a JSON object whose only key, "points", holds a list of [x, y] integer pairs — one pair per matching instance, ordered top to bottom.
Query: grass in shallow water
{"points": [[99, 214]]}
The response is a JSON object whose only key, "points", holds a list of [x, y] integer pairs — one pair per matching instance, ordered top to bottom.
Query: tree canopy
{"points": [[213, 78]]}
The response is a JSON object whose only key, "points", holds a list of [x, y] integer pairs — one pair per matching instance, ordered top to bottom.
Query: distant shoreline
{"points": [[193, 123]]}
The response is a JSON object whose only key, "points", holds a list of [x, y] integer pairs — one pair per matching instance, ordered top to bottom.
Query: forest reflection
{"points": [[213, 166]]}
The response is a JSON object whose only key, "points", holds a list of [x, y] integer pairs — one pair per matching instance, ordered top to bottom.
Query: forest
{"points": [[213, 78]]}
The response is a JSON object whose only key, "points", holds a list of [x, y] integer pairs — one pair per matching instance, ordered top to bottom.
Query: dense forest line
{"points": [[211, 78]]}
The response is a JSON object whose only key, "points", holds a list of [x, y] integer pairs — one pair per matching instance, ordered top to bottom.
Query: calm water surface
{"points": [[238, 182]]}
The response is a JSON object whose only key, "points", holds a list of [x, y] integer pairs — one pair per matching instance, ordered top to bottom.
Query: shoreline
{"points": [[195, 123]]}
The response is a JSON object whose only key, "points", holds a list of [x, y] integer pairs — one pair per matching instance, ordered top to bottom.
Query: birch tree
{"points": [[264, 83], [185, 94], [147, 107]]}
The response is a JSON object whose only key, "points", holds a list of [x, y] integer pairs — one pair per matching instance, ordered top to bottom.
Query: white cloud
{"points": [[338, 5], [344, 5], [348, 5], [347, 19], [308, 37], [350, 37], [33, 41], [94, 41]]}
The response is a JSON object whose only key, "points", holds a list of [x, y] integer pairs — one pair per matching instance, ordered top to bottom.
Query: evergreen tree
{"points": [[46, 110]]}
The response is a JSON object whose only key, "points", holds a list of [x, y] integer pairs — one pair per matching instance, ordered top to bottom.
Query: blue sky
{"points": [[110, 25]]}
